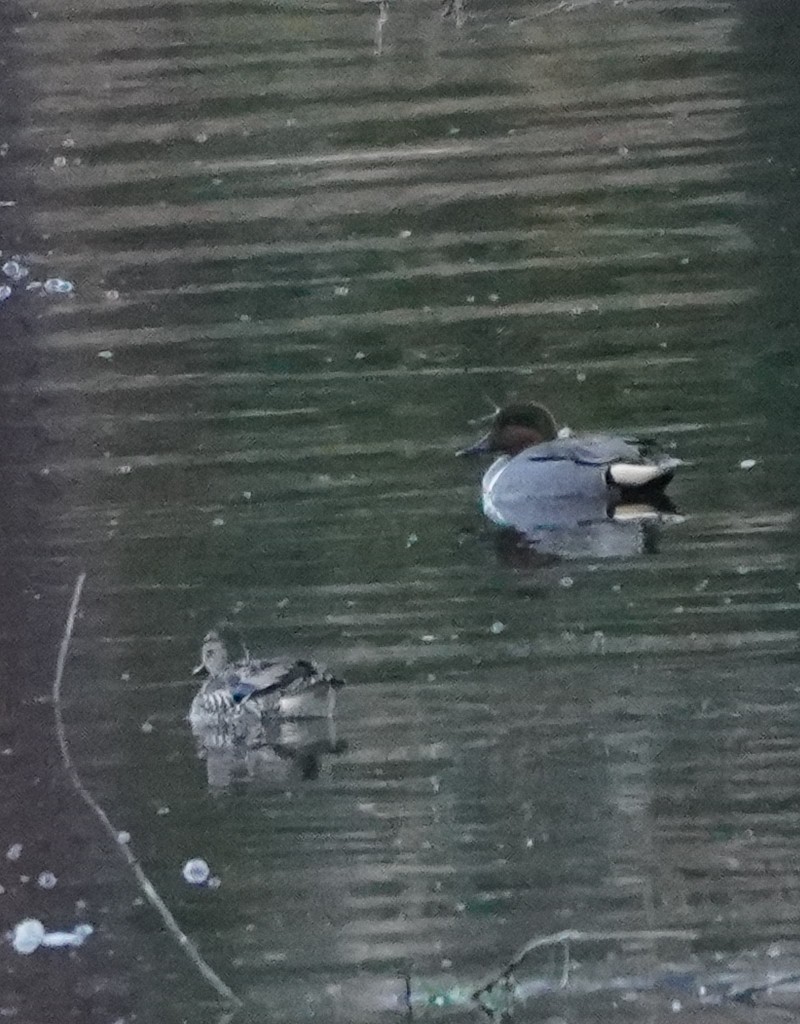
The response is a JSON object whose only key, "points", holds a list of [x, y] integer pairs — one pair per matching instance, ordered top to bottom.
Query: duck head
{"points": [[514, 428], [213, 656]]}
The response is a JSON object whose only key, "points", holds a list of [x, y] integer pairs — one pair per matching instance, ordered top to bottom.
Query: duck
{"points": [[544, 478], [247, 688]]}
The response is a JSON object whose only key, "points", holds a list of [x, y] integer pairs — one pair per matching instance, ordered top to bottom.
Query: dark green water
{"points": [[302, 270]]}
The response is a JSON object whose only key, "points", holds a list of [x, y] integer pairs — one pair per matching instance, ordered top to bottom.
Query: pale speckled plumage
{"points": [[215, 703]]}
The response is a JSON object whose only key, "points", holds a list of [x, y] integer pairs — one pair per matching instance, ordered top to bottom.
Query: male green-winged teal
{"points": [[546, 480]]}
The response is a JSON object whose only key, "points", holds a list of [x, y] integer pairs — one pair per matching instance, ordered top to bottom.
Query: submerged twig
{"points": [[565, 6], [383, 17], [143, 881], [563, 939], [566, 965]]}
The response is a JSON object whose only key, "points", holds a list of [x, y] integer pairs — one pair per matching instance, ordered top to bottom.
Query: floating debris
{"points": [[15, 270], [58, 286], [105, 354], [747, 463], [566, 582], [497, 627], [123, 838], [14, 852], [196, 871], [46, 880], [30, 934], [27, 936], [76, 937]]}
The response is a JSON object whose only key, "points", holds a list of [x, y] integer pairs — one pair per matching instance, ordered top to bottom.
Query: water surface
{"points": [[303, 270]]}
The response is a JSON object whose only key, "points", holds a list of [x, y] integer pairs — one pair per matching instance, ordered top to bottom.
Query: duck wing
{"points": [[587, 450], [630, 464], [287, 677]]}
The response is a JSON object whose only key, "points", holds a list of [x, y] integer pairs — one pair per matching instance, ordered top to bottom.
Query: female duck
{"points": [[543, 479], [254, 687]]}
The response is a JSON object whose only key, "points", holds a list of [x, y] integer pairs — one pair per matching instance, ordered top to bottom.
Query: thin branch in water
{"points": [[567, 6], [383, 17], [124, 849], [563, 939], [566, 966]]}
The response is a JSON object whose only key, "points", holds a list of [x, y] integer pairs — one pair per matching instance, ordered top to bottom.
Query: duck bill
{"points": [[479, 448]]}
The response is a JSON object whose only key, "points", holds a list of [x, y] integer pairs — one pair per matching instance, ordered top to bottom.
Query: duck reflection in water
{"points": [[562, 496], [272, 754]]}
